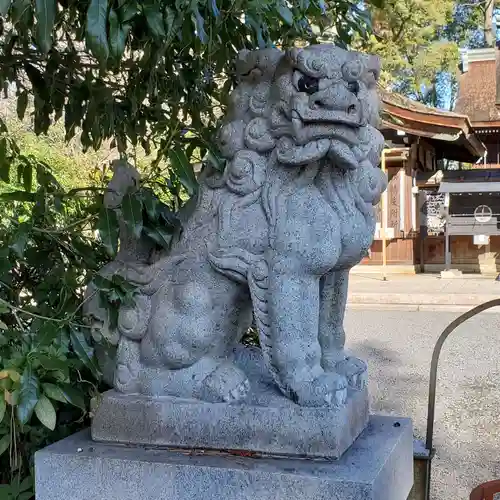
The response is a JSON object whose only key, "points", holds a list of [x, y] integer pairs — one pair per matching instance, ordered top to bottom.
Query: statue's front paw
{"points": [[133, 320], [355, 371], [126, 377], [126, 380], [226, 383], [329, 389]]}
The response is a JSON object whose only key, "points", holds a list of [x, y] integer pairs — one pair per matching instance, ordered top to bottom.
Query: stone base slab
{"points": [[266, 423], [377, 467]]}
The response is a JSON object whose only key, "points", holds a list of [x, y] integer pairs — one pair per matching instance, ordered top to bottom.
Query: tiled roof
{"points": [[477, 92], [404, 102], [451, 132]]}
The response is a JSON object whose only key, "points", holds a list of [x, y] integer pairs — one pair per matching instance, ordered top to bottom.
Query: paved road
{"points": [[398, 347]]}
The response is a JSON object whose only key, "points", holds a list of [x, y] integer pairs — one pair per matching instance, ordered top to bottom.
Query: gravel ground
{"points": [[398, 347]]}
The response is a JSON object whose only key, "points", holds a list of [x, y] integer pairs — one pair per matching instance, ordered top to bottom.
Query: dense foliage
{"points": [[406, 35], [145, 73], [48, 369]]}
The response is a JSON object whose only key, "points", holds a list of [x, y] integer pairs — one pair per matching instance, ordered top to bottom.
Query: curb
{"points": [[416, 299], [416, 308]]}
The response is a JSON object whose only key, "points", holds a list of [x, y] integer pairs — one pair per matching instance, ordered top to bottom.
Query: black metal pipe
{"points": [[433, 375]]}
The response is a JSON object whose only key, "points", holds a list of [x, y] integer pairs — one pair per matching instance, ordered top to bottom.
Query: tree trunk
{"points": [[489, 36]]}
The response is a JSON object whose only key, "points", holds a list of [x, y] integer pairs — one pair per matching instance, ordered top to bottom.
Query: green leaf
{"points": [[4, 7], [20, 10], [127, 10], [286, 14], [46, 15], [154, 19], [171, 24], [118, 34], [97, 40], [38, 82], [22, 104], [4, 162], [183, 169], [28, 177], [18, 196], [151, 204], [132, 213], [109, 230], [158, 235], [20, 239], [120, 282], [102, 283], [47, 333], [84, 351], [51, 363], [12, 374], [54, 392], [28, 395], [73, 396], [12, 398], [3, 407], [45, 412], [4, 444], [26, 484], [25, 495]]}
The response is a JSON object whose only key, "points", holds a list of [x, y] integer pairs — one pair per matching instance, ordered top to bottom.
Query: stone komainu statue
{"points": [[273, 238]]}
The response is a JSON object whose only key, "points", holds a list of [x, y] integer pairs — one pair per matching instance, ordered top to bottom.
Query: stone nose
{"points": [[336, 98]]}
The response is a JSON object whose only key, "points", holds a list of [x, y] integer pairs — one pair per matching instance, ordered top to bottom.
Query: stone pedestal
{"points": [[266, 423], [267, 448], [378, 466]]}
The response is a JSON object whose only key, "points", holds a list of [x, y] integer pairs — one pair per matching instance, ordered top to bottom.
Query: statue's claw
{"points": [[127, 366], [355, 371], [329, 389], [238, 393]]}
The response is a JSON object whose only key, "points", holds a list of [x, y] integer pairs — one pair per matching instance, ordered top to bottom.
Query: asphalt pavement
{"points": [[397, 346]]}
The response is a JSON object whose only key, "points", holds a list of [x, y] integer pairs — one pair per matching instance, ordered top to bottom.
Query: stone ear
{"points": [[243, 55], [242, 62], [374, 65], [372, 70]]}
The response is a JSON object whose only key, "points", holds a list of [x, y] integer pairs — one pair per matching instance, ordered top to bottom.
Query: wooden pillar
{"points": [[383, 209]]}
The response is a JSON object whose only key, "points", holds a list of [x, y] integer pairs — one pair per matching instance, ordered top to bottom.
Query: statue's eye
{"points": [[308, 84], [353, 87]]}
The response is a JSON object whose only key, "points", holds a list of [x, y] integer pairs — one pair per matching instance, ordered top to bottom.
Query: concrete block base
{"points": [[377, 467]]}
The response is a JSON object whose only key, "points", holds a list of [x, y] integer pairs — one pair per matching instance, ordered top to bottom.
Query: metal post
{"points": [[383, 224], [447, 251], [431, 406]]}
